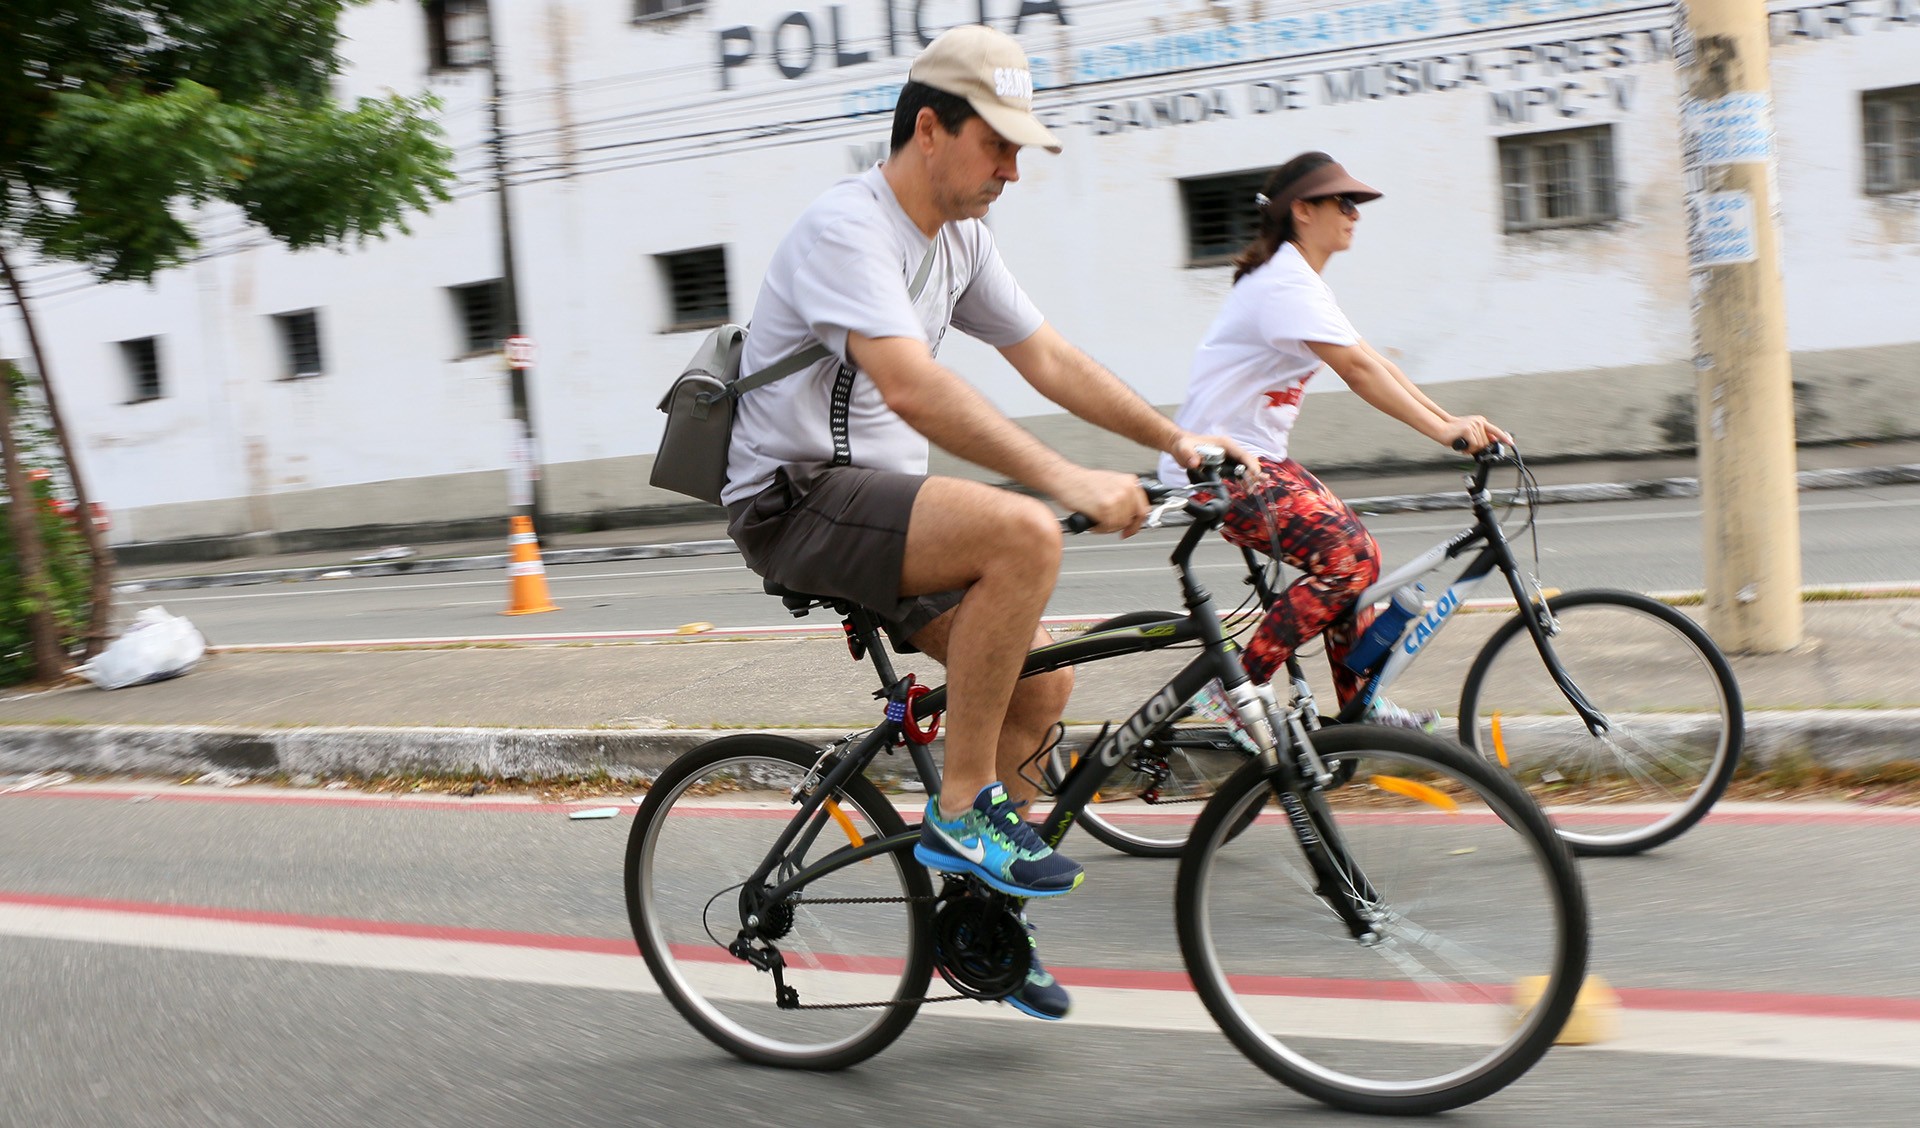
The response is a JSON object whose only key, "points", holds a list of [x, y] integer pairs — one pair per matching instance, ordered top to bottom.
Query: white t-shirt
{"points": [[846, 267], [1251, 371]]}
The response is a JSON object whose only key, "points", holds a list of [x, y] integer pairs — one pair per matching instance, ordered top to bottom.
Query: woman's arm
{"points": [[1378, 381]]}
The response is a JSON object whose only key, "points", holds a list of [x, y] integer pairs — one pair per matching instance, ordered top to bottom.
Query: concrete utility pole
{"points": [[518, 376], [1747, 459]]}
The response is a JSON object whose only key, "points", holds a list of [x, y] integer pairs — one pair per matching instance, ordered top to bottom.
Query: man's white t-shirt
{"points": [[846, 267], [1251, 371]]}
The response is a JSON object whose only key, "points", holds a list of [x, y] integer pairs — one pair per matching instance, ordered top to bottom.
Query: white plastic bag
{"points": [[156, 647]]}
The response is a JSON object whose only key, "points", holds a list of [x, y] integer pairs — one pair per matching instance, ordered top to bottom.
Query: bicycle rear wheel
{"points": [[1672, 708], [1148, 805], [706, 824], [1473, 906]]}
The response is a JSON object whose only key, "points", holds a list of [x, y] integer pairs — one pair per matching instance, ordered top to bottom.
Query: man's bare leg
{"points": [[1004, 550], [1035, 707]]}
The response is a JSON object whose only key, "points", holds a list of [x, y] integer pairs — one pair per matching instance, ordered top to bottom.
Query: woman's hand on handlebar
{"points": [[1473, 433], [1185, 451]]}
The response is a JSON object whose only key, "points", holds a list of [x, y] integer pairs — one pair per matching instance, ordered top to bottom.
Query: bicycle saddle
{"points": [[800, 602]]}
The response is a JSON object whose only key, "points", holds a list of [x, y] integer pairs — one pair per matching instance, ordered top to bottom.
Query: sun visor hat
{"points": [[989, 70], [1327, 180]]}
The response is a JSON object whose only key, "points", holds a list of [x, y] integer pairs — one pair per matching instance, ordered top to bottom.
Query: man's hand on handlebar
{"points": [[1473, 433], [1185, 451], [1114, 502]]}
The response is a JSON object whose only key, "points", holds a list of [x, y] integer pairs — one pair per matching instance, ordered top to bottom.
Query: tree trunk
{"points": [[100, 596], [49, 659]]}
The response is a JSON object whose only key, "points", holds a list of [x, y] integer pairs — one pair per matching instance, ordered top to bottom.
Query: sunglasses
{"points": [[1348, 206]]}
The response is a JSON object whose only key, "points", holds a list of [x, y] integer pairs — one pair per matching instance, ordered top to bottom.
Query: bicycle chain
{"points": [[924, 999]]}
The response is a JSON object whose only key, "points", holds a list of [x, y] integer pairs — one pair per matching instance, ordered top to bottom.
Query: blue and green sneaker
{"points": [[993, 843], [1041, 995]]}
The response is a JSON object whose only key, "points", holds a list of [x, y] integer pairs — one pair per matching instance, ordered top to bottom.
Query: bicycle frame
{"points": [[1496, 552], [1217, 659]]}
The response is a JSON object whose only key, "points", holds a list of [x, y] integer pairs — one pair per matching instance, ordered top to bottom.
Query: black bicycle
{"points": [[1614, 709], [1374, 917]]}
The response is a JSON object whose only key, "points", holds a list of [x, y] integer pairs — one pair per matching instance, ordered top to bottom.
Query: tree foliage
{"points": [[113, 113]]}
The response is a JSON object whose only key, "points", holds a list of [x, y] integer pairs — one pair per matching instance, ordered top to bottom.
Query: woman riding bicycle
{"points": [[1279, 325]]}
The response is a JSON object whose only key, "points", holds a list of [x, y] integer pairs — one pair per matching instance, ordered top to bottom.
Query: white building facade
{"points": [[1529, 260]]}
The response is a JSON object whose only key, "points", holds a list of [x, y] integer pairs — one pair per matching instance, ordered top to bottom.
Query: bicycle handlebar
{"points": [[1156, 491]]}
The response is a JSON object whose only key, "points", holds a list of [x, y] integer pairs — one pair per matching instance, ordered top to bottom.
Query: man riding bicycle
{"points": [[828, 491]]}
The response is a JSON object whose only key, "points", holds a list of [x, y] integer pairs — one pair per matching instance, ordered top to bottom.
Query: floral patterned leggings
{"points": [[1296, 518]]}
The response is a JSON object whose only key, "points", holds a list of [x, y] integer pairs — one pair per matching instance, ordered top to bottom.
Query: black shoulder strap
{"points": [[816, 352]]}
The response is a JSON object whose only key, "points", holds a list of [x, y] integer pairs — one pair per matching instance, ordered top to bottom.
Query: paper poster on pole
{"points": [[1733, 129], [1725, 229]]}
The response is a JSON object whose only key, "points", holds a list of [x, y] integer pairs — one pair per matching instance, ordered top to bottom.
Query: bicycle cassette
{"points": [[980, 946]]}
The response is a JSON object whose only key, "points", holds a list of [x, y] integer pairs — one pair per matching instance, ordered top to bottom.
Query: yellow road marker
{"points": [[1412, 790], [1595, 1017]]}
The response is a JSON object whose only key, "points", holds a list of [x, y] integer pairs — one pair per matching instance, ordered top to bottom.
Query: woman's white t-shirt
{"points": [[1251, 371]]}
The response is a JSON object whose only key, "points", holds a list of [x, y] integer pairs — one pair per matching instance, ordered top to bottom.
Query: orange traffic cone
{"points": [[526, 576]]}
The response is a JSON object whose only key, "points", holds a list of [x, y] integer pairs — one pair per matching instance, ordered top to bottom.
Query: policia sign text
{"points": [[796, 39]]}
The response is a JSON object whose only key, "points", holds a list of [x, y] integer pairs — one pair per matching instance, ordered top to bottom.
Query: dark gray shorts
{"points": [[838, 531]]}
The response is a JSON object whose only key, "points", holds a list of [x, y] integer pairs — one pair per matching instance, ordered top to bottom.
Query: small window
{"points": [[654, 9], [456, 33], [1892, 119], [1558, 179], [1221, 215], [698, 280], [482, 309], [299, 344], [142, 359]]}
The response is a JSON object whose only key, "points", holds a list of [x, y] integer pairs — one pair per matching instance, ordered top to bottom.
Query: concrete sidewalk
{"points": [[1849, 698]]}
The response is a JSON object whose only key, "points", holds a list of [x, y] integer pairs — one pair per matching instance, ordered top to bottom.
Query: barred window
{"points": [[653, 9], [456, 34], [1892, 120], [1559, 179], [1221, 216], [698, 281], [481, 307], [299, 344], [142, 359]]}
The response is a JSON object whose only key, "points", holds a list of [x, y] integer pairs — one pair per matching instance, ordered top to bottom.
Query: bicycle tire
{"points": [[1676, 721], [1128, 824], [1471, 903], [723, 997]]}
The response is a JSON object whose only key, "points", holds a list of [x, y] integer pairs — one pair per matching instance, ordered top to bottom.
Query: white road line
{"points": [[1877, 1042]]}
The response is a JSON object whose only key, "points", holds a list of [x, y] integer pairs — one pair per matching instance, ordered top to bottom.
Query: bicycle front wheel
{"points": [[1674, 722], [1407, 942], [855, 943]]}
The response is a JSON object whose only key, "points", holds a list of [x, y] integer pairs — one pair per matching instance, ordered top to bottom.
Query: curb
{"points": [[1809, 480], [1399, 503], [1836, 739]]}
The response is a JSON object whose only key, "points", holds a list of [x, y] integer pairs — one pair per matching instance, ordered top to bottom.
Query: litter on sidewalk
{"points": [[157, 646]]}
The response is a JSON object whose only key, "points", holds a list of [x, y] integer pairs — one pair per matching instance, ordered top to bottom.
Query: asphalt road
{"points": [[1869, 535], [236, 957]]}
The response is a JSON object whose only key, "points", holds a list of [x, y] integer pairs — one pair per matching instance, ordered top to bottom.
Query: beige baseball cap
{"points": [[989, 70]]}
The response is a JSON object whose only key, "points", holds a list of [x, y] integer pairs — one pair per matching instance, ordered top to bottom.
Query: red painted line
{"points": [[356, 926], [1721, 1002]]}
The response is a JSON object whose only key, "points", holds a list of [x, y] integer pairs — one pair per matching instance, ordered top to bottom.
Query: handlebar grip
{"points": [[1460, 444], [1076, 523]]}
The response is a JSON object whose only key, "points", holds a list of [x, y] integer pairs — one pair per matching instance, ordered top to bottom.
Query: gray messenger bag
{"points": [[692, 459]]}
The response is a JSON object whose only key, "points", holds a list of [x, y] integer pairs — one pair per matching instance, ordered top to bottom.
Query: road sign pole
{"points": [[1749, 496]]}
